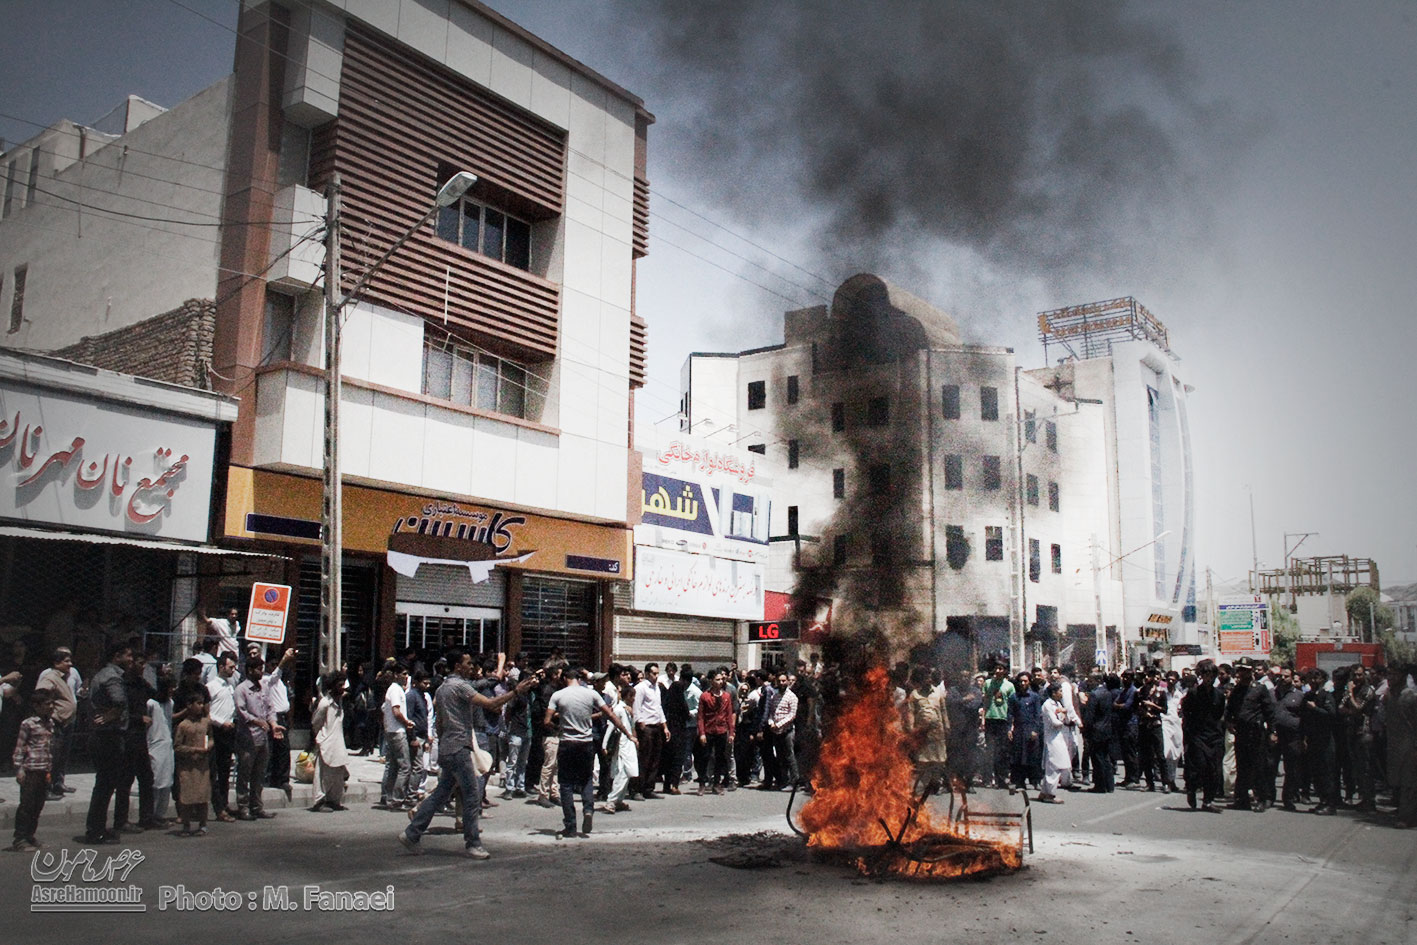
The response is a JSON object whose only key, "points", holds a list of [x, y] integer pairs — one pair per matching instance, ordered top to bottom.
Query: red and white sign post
{"points": [[266, 617]]}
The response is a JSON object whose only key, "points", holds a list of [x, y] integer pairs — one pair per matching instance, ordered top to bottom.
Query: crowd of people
{"points": [[451, 725], [1260, 735]]}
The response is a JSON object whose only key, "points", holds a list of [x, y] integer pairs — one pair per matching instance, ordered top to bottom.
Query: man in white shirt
{"points": [[204, 652], [61, 679], [274, 682], [222, 712], [651, 730], [781, 771], [393, 794]]}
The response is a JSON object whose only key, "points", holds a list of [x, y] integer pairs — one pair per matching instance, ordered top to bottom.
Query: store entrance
{"points": [[433, 629]]}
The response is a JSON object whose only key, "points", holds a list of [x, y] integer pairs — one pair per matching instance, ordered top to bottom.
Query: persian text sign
{"points": [[77, 461], [675, 582], [267, 615], [1243, 626]]}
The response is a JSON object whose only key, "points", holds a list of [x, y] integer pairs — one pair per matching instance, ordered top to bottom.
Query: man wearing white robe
{"points": [[1057, 735], [331, 758]]}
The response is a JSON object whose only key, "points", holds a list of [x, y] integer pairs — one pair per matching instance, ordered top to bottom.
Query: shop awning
{"points": [[98, 538]]}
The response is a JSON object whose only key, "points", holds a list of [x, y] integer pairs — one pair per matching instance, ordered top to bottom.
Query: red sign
{"points": [[266, 617], [772, 631]]}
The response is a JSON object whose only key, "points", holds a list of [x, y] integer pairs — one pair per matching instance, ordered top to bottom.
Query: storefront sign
{"points": [[76, 461], [694, 497], [423, 530], [675, 582], [773, 631]]}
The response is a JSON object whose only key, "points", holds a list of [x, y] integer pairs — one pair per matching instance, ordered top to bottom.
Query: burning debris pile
{"points": [[869, 809]]}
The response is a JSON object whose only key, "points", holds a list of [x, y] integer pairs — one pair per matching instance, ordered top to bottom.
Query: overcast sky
{"points": [[1245, 169]]}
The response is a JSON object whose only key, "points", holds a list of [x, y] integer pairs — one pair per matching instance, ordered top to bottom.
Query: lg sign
{"points": [[773, 631]]}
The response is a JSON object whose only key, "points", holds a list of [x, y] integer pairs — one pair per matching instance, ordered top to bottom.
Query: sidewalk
{"points": [[365, 774]]}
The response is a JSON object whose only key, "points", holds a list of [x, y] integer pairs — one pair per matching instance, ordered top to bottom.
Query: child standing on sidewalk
{"points": [[192, 744], [32, 761]]}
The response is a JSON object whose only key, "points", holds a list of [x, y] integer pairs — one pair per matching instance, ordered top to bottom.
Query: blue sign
{"points": [[675, 503]]}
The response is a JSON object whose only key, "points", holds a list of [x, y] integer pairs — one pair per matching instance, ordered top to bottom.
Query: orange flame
{"points": [[865, 783]]}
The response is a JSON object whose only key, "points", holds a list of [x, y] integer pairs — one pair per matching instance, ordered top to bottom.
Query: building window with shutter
{"points": [[487, 231], [17, 301], [792, 391], [757, 395], [949, 399], [988, 403], [838, 417], [1030, 427], [1050, 430], [791, 454], [954, 471], [993, 473], [838, 483], [1031, 489], [1053, 496], [792, 520], [993, 543], [1057, 559], [1035, 565]]}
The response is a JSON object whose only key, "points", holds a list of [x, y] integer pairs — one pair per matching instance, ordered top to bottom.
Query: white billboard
{"points": [[80, 462], [700, 497], [676, 582]]}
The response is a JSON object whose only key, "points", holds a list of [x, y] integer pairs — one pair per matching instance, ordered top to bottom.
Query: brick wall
{"points": [[175, 346]]}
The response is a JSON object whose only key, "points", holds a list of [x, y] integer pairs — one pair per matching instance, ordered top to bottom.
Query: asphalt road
{"points": [[1130, 867]]}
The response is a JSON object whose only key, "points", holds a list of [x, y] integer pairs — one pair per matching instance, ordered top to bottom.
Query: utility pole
{"points": [[331, 504], [1254, 547], [1101, 634]]}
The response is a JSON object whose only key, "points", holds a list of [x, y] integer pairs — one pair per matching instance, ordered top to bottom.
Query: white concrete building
{"points": [[1009, 475]]}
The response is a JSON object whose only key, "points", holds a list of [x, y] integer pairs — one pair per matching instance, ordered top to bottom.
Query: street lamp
{"points": [[331, 504]]}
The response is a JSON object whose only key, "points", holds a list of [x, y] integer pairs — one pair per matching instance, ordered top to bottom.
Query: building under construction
{"points": [[1315, 591]]}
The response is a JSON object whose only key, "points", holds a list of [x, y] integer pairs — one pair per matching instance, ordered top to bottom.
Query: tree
{"points": [[1366, 611], [1285, 627], [1396, 650]]}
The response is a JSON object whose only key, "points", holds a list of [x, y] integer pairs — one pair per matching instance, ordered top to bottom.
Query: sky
{"points": [[1244, 168]]}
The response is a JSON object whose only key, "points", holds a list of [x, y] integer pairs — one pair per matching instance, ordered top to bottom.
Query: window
{"points": [[32, 184], [9, 189], [488, 231], [17, 302], [280, 320], [478, 379], [792, 391], [757, 395], [949, 398], [988, 403], [878, 412], [838, 417], [1030, 427], [1050, 430], [760, 448], [791, 454], [954, 471], [993, 474], [879, 476], [838, 483], [1031, 489], [1053, 496], [792, 520], [993, 543], [956, 546], [841, 547], [1057, 559], [1035, 566]]}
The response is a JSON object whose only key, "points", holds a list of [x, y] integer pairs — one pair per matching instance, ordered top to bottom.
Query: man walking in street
{"points": [[452, 708], [572, 709], [393, 792]]}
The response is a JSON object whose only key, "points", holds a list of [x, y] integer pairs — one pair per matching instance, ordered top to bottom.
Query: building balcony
{"points": [[297, 250]]}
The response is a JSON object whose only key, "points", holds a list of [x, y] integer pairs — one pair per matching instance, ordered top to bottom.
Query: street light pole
{"points": [[331, 496]]}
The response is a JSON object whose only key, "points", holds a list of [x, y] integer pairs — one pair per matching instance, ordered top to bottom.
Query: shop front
{"points": [[105, 510], [433, 573]]}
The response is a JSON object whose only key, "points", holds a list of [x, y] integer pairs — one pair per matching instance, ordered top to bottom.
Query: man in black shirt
{"points": [[1288, 698], [1249, 714], [1318, 717], [1202, 725]]}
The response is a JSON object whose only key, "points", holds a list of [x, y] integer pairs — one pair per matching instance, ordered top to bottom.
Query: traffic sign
{"points": [[266, 617]]}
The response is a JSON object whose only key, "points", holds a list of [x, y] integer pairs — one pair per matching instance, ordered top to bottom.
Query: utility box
{"points": [[1329, 656]]}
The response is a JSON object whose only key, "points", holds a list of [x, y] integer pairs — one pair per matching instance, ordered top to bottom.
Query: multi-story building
{"points": [[1118, 353], [488, 364], [924, 483]]}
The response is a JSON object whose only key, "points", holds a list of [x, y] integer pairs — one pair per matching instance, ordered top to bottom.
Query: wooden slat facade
{"points": [[400, 120], [639, 350]]}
